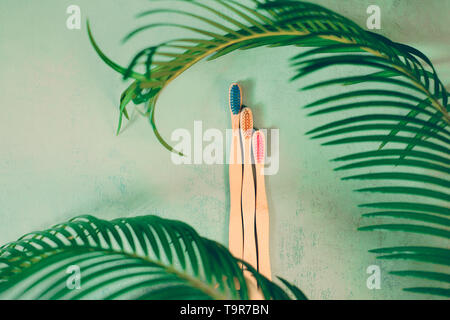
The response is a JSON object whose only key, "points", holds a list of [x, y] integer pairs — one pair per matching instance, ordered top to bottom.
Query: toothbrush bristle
{"points": [[235, 98], [246, 122], [258, 146]]}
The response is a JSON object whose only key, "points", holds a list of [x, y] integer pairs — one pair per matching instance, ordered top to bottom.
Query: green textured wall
{"points": [[60, 157]]}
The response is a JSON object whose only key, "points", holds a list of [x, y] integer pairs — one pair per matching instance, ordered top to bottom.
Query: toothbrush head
{"points": [[235, 98], [246, 123], [258, 146]]}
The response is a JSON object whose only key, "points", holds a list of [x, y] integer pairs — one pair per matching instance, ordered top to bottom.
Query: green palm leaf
{"points": [[410, 126], [144, 257]]}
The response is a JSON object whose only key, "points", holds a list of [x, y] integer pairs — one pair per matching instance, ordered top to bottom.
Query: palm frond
{"points": [[412, 107], [144, 257]]}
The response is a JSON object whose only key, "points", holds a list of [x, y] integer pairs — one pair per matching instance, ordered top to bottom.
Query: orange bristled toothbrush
{"points": [[248, 193], [262, 209], [235, 237]]}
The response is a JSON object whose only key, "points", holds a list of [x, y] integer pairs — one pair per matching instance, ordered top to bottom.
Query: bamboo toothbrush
{"points": [[248, 189], [262, 209], [235, 236]]}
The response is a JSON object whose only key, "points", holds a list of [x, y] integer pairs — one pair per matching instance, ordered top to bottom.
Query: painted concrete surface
{"points": [[60, 156]]}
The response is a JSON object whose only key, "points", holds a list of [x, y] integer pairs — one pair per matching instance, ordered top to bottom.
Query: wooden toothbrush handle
{"points": [[248, 211], [262, 225], [235, 231]]}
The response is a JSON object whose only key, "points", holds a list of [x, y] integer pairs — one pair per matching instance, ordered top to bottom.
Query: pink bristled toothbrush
{"points": [[262, 209]]}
